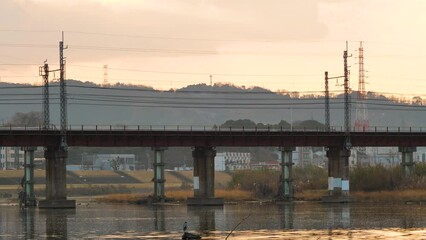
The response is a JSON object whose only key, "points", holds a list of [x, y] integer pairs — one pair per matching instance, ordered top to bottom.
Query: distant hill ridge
{"points": [[200, 104]]}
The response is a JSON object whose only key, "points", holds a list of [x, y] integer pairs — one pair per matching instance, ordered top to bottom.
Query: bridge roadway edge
{"points": [[129, 138]]}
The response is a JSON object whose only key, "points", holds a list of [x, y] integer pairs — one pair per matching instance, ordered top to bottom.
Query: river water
{"points": [[262, 221]]}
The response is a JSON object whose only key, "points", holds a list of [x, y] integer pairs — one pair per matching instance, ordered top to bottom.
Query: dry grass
{"points": [[12, 173], [141, 175], [172, 178], [222, 178], [130, 185], [175, 195], [179, 195], [227, 195], [234, 195], [310, 195], [409, 195], [123, 198]]}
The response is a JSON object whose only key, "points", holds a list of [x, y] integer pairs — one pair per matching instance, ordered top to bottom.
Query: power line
{"points": [[169, 38], [27, 45], [18, 64], [198, 73]]}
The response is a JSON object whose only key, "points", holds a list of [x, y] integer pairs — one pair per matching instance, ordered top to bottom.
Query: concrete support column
{"points": [[407, 159], [338, 175], [204, 177], [159, 179], [56, 180], [285, 191], [30, 200]]}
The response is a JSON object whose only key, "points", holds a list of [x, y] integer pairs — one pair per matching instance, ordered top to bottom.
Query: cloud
{"points": [[272, 20], [160, 31]]}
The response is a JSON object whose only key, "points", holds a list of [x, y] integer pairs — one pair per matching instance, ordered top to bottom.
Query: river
{"points": [[262, 221]]}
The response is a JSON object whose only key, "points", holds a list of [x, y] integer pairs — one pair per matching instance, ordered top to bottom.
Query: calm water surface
{"points": [[263, 221]]}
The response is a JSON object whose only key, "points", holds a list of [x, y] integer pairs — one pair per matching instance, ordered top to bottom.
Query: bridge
{"points": [[208, 136], [204, 140]]}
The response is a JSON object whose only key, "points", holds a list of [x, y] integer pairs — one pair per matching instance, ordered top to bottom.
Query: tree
{"points": [[417, 100], [30, 119], [240, 123], [309, 124], [115, 163]]}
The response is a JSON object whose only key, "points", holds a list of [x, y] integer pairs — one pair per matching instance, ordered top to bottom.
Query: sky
{"points": [[275, 44]]}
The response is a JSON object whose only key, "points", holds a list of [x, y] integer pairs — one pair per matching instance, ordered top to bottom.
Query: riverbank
{"points": [[233, 195]]}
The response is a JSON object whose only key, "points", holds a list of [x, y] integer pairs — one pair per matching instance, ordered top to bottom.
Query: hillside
{"points": [[200, 104]]}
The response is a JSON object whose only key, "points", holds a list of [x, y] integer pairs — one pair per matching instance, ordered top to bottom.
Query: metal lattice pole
{"points": [[44, 72], [63, 94], [327, 104], [347, 143]]}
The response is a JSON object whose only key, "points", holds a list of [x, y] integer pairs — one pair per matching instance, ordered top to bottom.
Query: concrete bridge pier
{"points": [[407, 159], [338, 175], [204, 178], [56, 179], [159, 179], [285, 192], [30, 200]]}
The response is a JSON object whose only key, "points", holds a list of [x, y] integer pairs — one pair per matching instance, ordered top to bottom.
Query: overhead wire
{"points": [[199, 73]]}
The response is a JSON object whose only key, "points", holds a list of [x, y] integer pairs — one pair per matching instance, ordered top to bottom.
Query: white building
{"points": [[420, 155], [386, 156], [11, 158], [230, 161], [122, 162]]}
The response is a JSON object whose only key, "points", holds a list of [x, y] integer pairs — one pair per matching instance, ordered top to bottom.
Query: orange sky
{"points": [[274, 44]]}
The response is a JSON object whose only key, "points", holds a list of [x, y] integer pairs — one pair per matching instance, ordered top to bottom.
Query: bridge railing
{"points": [[28, 128], [187, 128], [209, 128], [237, 129], [390, 129]]}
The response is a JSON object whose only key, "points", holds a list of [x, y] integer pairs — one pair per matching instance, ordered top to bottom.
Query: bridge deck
{"points": [[208, 138]]}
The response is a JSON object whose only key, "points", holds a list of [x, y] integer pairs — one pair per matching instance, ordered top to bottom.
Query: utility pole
{"points": [[44, 72], [211, 80], [346, 89], [63, 94], [327, 100], [327, 104], [347, 107]]}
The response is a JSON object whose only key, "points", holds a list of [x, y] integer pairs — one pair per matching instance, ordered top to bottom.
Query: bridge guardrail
{"points": [[200, 128]]}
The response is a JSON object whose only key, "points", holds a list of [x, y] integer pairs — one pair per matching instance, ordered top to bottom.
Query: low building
{"points": [[11, 158], [231, 161], [271, 165]]}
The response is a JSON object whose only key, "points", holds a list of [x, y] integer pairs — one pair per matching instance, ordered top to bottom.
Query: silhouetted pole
{"points": [[327, 104]]}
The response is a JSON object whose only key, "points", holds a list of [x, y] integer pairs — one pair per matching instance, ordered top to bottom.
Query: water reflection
{"points": [[287, 214], [339, 215], [206, 216], [159, 218], [104, 221], [28, 222], [57, 222], [408, 222]]}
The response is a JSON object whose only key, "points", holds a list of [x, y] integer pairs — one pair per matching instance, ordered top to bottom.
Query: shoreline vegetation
{"points": [[367, 184], [239, 196]]}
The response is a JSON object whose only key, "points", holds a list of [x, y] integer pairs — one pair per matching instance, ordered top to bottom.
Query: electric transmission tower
{"points": [[105, 75], [361, 120]]}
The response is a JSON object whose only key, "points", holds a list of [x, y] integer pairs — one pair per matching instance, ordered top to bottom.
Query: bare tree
{"points": [[30, 119]]}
